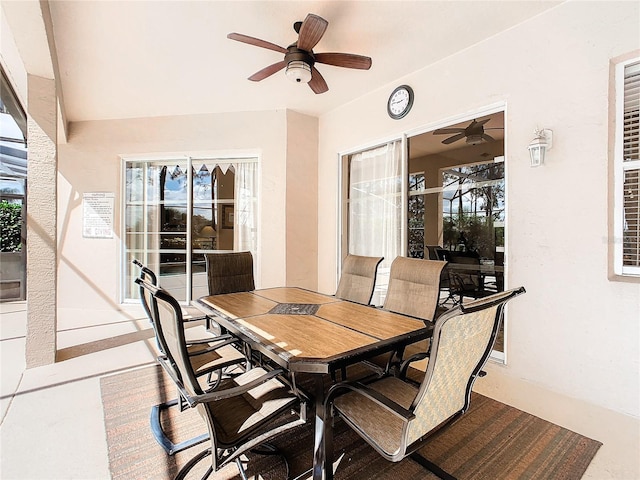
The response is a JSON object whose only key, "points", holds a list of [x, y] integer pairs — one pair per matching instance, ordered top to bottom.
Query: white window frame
{"points": [[620, 167]]}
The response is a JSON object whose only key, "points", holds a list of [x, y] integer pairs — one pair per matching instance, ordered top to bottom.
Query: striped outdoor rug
{"points": [[491, 441]]}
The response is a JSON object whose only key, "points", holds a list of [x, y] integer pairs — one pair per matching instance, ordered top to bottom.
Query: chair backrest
{"points": [[230, 272], [147, 275], [358, 278], [414, 287], [148, 302], [167, 315], [462, 341]]}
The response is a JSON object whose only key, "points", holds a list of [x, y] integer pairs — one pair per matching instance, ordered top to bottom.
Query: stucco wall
{"points": [[302, 200], [89, 269], [575, 332]]}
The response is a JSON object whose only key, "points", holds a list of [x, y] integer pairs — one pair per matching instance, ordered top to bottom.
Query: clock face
{"points": [[400, 102]]}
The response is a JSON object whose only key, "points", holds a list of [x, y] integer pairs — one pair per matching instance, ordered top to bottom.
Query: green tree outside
{"points": [[10, 226]]}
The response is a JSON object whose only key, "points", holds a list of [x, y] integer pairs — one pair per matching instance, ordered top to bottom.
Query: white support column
{"points": [[42, 267]]}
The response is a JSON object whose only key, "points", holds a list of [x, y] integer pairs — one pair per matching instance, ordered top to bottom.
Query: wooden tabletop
{"points": [[311, 332]]}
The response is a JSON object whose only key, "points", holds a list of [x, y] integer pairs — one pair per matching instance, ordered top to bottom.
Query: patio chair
{"points": [[229, 272], [358, 278], [414, 287], [414, 290], [191, 333], [209, 353], [208, 356], [241, 414], [396, 416]]}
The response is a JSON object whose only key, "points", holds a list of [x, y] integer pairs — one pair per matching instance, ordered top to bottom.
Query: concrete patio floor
{"points": [[52, 420]]}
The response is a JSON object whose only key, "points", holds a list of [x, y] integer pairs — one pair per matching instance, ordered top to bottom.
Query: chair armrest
{"points": [[194, 319], [213, 339], [212, 348], [413, 358], [235, 391], [373, 395], [193, 400]]}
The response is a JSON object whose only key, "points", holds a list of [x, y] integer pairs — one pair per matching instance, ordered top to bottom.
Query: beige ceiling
{"points": [[127, 59]]}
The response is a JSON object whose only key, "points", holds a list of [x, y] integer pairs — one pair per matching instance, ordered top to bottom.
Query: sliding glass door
{"points": [[442, 199], [177, 210]]}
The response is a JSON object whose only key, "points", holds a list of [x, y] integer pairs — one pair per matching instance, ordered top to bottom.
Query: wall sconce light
{"points": [[298, 71], [539, 146]]}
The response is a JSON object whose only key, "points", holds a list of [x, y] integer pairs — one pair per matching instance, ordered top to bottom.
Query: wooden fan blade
{"points": [[311, 32], [256, 42], [346, 60], [267, 71], [317, 83], [481, 122], [447, 131], [455, 138], [488, 138]]}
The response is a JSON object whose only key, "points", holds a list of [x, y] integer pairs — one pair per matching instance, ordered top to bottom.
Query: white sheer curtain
{"points": [[375, 208], [246, 213]]}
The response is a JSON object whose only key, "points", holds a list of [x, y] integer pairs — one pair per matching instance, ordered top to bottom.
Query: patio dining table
{"points": [[308, 332]]}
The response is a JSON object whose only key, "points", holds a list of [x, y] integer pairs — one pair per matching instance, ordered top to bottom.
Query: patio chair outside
{"points": [[358, 278], [466, 282], [240, 414], [396, 416]]}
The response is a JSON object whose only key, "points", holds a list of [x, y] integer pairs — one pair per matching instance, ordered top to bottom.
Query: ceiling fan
{"points": [[299, 58], [474, 133]]}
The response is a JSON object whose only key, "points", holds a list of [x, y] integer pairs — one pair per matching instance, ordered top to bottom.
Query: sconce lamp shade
{"points": [[298, 71], [539, 146], [208, 231]]}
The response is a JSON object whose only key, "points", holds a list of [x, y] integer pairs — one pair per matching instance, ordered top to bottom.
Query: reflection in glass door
{"points": [[456, 209]]}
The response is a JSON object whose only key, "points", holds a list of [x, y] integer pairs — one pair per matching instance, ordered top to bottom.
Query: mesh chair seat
{"points": [[204, 360], [368, 416], [237, 417]]}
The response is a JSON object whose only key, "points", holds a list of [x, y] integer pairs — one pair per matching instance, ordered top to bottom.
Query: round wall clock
{"points": [[400, 102]]}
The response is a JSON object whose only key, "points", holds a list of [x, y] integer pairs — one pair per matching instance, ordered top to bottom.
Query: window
{"points": [[627, 170], [177, 210]]}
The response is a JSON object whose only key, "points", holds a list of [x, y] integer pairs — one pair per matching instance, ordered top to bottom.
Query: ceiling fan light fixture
{"points": [[298, 71]]}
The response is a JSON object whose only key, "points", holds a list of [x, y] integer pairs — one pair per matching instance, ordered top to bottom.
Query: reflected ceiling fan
{"points": [[299, 58], [474, 133]]}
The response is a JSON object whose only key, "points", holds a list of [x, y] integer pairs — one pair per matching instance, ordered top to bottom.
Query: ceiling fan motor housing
{"points": [[295, 54], [299, 63]]}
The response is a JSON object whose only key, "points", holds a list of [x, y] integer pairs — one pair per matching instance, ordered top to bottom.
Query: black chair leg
{"points": [[164, 441], [432, 467]]}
